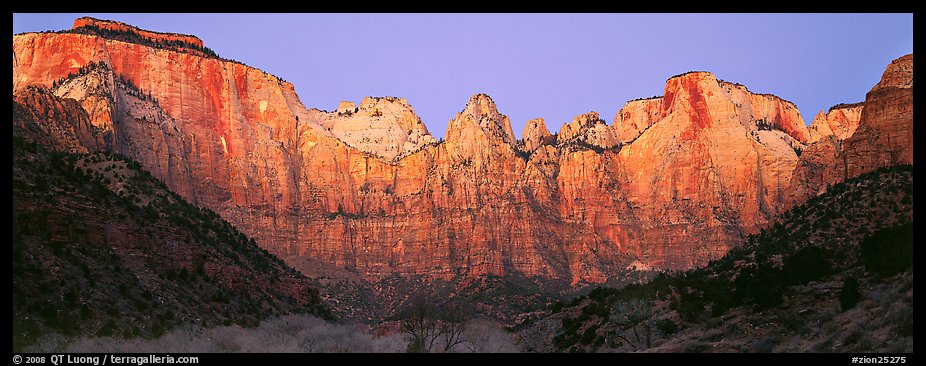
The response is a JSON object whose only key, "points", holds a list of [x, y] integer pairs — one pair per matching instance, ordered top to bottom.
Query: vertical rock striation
{"points": [[676, 181]]}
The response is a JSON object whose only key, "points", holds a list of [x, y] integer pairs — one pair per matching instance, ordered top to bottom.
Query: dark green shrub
{"points": [[888, 251], [806, 265], [762, 287], [718, 292], [598, 294], [849, 295], [576, 301], [690, 306], [596, 308], [570, 325], [666, 327], [107, 329], [588, 336], [563, 341]]}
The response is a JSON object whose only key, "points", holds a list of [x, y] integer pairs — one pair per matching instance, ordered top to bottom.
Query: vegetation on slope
{"points": [[130, 36], [134, 37], [102, 248], [835, 274], [352, 297]]}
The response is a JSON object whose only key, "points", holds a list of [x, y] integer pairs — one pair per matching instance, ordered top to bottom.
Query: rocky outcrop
{"points": [[119, 27], [345, 107], [481, 111], [767, 112], [41, 116], [635, 117], [840, 121], [383, 127], [587, 130], [885, 132], [535, 135], [883, 135], [821, 164], [709, 167], [818, 168], [677, 182]]}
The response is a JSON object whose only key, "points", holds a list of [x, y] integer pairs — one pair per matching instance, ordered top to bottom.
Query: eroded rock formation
{"points": [[840, 121], [885, 132], [676, 181]]}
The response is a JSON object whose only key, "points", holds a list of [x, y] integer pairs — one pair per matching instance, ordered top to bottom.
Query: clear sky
{"points": [[554, 66]]}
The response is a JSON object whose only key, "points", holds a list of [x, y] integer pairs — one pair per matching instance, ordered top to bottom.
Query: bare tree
{"points": [[635, 315], [453, 321], [419, 325], [431, 329], [486, 336], [538, 337]]}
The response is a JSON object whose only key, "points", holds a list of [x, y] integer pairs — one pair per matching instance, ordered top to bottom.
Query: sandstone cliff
{"points": [[119, 27], [39, 115], [635, 117], [840, 121], [383, 127], [588, 130], [885, 131], [535, 135], [883, 135], [715, 166], [676, 182]]}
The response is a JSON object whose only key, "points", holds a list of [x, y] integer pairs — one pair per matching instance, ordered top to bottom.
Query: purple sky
{"points": [[553, 66]]}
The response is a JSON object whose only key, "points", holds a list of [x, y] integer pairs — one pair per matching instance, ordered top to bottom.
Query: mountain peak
{"points": [[899, 74], [707, 101], [481, 105], [345, 107], [483, 112], [840, 120], [579, 124], [386, 127], [588, 128], [885, 130], [535, 134]]}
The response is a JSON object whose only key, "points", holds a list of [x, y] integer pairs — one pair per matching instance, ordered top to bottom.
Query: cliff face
{"points": [[119, 27], [767, 112], [38, 114], [635, 117], [840, 121], [383, 127], [588, 130], [885, 132], [228, 133], [535, 135], [883, 135], [820, 164], [709, 169], [676, 182]]}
